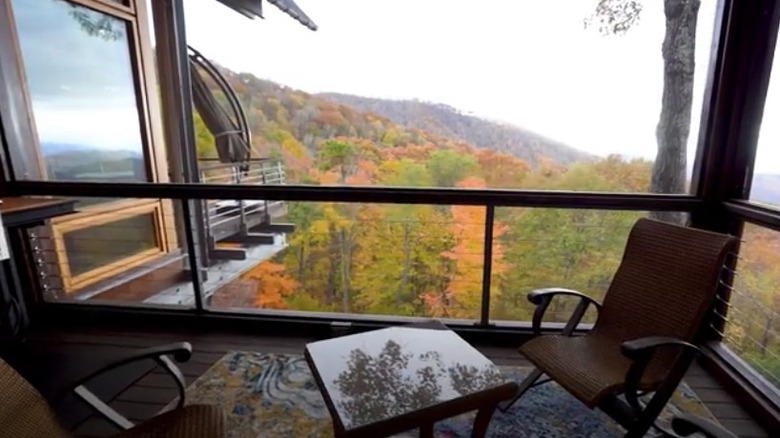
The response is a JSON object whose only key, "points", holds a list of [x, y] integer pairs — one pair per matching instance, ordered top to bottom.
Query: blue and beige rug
{"points": [[275, 396]]}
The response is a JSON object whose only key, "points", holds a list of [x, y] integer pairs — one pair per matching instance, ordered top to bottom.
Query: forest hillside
{"points": [[448, 122], [427, 260]]}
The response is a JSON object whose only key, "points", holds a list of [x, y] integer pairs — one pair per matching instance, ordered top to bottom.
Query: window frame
{"points": [[142, 62], [72, 283]]}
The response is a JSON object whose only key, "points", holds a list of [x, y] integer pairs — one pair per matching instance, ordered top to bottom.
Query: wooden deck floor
{"points": [[140, 391]]}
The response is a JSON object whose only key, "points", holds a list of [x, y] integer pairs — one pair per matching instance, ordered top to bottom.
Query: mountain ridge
{"points": [[447, 121]]}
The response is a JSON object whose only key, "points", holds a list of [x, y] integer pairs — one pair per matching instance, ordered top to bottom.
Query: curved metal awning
{"points": [[254, 8]]}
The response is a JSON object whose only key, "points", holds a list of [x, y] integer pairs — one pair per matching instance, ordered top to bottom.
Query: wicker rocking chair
{"points": [[654, 309], [24, 413]]}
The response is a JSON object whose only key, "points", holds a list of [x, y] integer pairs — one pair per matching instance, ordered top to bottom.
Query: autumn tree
{"points": [[616, 17], [448, 167], [573, 248], [399, 255], [272, 284], [463, 295], [754, 316]]}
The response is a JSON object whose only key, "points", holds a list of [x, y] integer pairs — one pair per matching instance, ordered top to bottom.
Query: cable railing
{"points": [[751, 314]]}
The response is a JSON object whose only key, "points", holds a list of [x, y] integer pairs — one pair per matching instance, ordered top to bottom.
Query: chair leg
{"points": [[526, 384], [649, 415]]}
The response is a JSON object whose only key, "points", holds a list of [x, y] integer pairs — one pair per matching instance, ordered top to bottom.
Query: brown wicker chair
{"points": [[654, 309], [24, 413]]}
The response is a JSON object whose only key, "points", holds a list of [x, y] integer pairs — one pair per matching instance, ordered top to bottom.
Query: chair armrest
{"points": [[542, 299], [641, 351], [181, 352], [687, 424]]}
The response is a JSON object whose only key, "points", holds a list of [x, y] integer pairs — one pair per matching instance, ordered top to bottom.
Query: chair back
{"points": [[666, 282], [24, 413]]}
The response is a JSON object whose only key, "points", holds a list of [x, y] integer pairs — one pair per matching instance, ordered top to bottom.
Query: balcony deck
{"points": [[49, 359]]}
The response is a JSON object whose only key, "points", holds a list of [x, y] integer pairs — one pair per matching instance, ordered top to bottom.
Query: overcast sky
{"points": [[529, 63]]}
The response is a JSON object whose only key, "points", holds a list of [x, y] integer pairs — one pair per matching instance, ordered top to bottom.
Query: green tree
{"points": [[339, 155], [448, 167]]}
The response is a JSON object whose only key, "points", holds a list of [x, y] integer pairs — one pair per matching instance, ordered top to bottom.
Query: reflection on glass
{"points": [[80, 78], [93, 247], [386, 373]]}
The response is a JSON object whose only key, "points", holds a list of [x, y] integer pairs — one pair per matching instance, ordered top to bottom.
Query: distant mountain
{"points": [[448, 122], [49, 148], [67, 161], [766, 188]]}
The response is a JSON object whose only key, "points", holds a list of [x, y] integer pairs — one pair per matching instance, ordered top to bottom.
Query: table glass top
{"points": [[378, 375]]}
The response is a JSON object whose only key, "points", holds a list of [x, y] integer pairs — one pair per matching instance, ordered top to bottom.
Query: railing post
{"points": [[265, 201], [241, 202], [192, 254], [487, 266]]}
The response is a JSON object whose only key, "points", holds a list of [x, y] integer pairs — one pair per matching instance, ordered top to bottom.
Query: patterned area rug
{"points": [[275, 396]]}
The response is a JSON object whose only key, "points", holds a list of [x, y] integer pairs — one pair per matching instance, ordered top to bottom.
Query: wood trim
{"points": [[114, 9], [148, 78], [24, 91], [142, 100], [156, 135], [112, 207], [93, 219], [168, 224], [73, 282]]}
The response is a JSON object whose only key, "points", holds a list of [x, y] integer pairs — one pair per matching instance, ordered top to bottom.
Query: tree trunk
{"points": [[669, 170], [346, 259], [302, 264], [405, 267], [330, 287], [766, 333]]}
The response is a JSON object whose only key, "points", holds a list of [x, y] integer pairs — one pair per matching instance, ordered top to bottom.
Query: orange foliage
{"points": [[416, 153], [501, 170], [365, 173], [273, 285], [462, 298]]}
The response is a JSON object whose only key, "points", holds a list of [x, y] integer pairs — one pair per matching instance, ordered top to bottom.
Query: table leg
{"points": [[482, 421], [426, 430]]}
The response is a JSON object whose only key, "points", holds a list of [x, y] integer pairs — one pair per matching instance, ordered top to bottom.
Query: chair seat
{"points": [[590, 367], [194, 421]]}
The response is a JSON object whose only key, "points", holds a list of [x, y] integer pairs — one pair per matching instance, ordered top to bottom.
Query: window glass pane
{"points": [[79, 74], [529, 97], [765, 187], [93, 247], [538, 248], [407, 260], [753, 320]]}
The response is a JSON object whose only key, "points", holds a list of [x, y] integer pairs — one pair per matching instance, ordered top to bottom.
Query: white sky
{"points": [[527, 62], [530, 63]]}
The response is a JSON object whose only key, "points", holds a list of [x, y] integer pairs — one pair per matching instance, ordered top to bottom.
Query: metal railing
{"points": [[239, 215], [751, 312]]}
